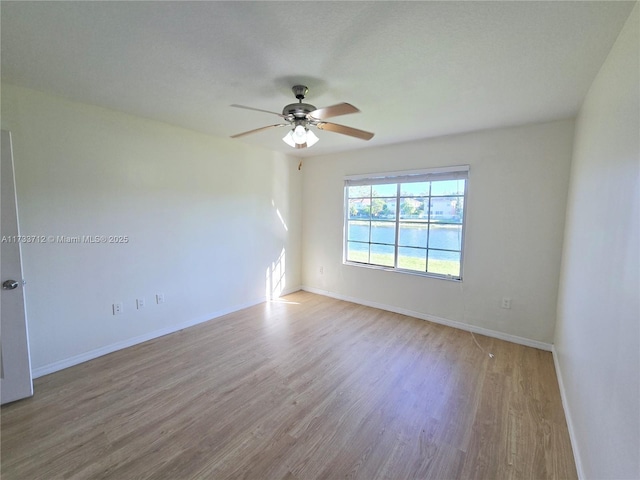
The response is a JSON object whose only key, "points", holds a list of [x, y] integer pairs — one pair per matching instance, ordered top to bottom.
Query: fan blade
{"points": [[258, 110], [333, 111], [258, 130], [352, 132]]}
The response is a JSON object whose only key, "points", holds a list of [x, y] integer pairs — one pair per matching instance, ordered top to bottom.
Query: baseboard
{"points": [[432, 318], [114, 347], [567, 416]]}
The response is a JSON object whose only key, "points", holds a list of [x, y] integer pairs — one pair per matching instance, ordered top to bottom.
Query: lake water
{"points": [[439, 237]]}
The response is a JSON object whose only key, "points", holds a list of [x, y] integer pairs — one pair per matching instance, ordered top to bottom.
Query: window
{"points": [[407, 221]]}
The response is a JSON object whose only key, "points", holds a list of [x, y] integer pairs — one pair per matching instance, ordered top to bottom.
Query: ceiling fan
{"points": [[300, 116]]}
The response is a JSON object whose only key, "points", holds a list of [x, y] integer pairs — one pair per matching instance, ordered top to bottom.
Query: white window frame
{"points": [[409, 176]]}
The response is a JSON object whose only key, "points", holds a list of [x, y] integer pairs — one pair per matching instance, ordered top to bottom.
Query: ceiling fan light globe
{"points": [[300, 135], [288, 139], [312, 139]]}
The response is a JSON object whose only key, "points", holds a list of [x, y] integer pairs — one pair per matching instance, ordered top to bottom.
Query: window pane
{"points": [[448, 187], [418, 189], [386, 190], [360, 191], [360, 208], [383, 208], [414, 208], [446, 209], [413, 226], [358, 230], [383, 232], [413, 235], [448, 237], [358, 252], [382, 255], [412, 259], [444, 263]]}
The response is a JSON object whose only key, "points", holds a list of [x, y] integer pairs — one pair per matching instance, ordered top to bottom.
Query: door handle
{"points": [[9, 284]]}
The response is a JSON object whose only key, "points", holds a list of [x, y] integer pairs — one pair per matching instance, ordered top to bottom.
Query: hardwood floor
{"points": [[306, 387]]}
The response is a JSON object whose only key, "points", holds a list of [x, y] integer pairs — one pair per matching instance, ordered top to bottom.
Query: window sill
{"points": [[403, 271]]}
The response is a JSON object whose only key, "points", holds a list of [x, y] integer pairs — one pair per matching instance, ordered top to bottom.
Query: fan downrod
{"points": [[300, 91]]}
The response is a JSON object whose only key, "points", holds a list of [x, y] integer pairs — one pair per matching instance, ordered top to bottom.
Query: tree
{"points": [[377, 206]]}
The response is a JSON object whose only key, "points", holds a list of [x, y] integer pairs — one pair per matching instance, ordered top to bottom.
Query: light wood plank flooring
{"points": [[306, 387]]}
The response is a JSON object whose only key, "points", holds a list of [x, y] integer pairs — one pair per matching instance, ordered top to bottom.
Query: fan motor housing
{"points": [[298, 110]]}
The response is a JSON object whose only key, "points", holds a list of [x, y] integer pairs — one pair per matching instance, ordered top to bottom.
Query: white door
{"points": [[15, 363]]}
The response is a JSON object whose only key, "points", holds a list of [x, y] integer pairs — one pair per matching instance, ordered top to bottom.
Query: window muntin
{"points": [[407, 221]]}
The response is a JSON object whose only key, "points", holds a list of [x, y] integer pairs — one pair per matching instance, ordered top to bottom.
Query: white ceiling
{"points": [[414, 69]]}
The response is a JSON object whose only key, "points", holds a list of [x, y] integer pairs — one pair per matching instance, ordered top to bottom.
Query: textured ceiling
{"points": [[414, 69]]}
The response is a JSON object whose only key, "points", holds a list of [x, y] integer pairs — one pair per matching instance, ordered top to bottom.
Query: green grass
{"points": [[409, 223], [439, 267]]}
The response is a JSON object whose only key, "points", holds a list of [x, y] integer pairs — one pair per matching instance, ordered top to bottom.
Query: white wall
{"points": [[202, 215], [515, 220], [598, 327]]}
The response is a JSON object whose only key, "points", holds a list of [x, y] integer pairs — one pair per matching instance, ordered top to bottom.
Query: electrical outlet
{"points": [[159, 298], [506, 302], [140, 303], [117, 308]]}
